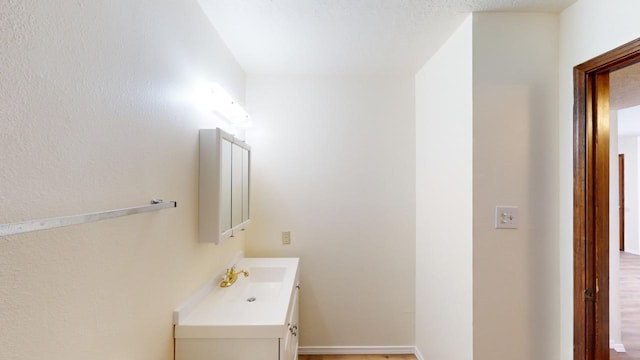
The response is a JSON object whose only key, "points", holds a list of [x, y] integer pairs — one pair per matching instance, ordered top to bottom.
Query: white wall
{"points": [[586, 31], [96, 114], [628, 118], [629, 146], [515, 147], [334, 163], [444, 163], [615, 331]]}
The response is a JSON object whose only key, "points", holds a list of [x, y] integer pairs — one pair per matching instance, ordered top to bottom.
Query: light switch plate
{"points": [[506, 217]]}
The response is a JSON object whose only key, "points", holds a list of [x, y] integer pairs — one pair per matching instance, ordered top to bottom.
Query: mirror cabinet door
{"points": [[226, 177], [245, 184], [236, 185]]}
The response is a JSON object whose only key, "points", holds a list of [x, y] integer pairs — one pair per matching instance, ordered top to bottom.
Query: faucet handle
{"points": [[228, 273]]}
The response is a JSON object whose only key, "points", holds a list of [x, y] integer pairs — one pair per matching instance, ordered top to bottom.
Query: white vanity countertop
{"points": [[253, 307]]}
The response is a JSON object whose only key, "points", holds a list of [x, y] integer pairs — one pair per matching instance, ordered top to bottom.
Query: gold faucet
{"points": [[231, 276]]}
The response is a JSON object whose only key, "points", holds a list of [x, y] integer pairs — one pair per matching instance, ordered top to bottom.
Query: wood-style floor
{"points": [[630, 306], [356, 357]]}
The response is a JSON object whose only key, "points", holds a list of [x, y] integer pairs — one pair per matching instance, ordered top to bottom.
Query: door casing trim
{"points": [[591, 200]]}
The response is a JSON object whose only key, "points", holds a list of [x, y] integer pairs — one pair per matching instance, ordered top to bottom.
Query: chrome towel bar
{"points": [[55, 222]]}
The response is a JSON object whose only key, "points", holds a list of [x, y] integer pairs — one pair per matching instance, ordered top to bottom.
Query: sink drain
{"points": [[251, 299]]}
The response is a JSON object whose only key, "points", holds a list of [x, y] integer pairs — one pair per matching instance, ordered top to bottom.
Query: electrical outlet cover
{"points": [[286, 238]]}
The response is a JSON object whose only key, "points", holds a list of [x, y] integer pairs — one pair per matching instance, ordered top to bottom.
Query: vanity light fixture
{"points": [[223, 104]]}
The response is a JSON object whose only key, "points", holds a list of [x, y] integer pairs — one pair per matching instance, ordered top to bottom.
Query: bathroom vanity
{"points": [[256, 318]]}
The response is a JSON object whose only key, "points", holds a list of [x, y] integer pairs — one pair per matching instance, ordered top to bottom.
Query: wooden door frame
{"points": [[591, 200]]}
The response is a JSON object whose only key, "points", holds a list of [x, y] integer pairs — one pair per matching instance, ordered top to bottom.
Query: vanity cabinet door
{"points": [[289, 344], [226, 349]]}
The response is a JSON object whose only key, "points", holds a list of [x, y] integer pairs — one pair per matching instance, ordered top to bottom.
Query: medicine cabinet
{"points": [[223, 198]]}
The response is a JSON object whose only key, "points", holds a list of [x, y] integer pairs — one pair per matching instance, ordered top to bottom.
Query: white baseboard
{"points": [[617, 347], [357, 350], [418, 354]]}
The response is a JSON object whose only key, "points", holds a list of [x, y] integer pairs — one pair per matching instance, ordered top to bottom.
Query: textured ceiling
{"points": [[354, 36], [625, 89], [625, 96]]}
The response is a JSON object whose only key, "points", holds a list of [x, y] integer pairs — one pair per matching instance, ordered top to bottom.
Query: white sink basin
{"points": [[262, 285], [254, 306]]}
